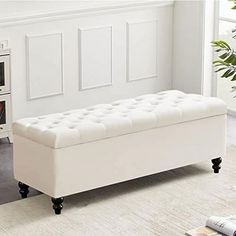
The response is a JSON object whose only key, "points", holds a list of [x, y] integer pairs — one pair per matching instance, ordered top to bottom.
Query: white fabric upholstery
{"points": [[118, 118], [65, 171]]}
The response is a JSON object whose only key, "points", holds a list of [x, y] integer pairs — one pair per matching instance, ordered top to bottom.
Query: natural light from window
{"points": [[227, 22]]}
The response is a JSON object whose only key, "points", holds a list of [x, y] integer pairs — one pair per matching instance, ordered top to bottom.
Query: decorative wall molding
{"points": [[32, 17], [95, 57], [136, 69], [41, 74]]}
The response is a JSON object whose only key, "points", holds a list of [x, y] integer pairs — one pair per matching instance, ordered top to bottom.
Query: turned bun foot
{"points": [[216, 164], [24, 189], [57, 205]]}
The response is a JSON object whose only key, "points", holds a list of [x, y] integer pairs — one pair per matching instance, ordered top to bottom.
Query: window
{"points": [[227, 22]]}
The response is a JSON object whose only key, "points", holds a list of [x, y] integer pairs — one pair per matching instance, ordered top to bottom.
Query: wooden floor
{"points": [[8, 185]]}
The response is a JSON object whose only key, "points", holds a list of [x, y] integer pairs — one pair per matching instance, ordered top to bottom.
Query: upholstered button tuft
{"points": [[139, 99], [115, 103], [154, 103], [131, 107], [171, 107], [125, 111], [108, 112], [99, 115], [41, 117], [51, 126]]}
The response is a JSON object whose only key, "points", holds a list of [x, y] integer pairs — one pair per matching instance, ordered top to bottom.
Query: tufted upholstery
{"points": [[118, 118]]}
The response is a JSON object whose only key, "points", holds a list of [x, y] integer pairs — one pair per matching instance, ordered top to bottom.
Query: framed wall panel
{"points": [[141, 49], [95, 57], [44, 59]]}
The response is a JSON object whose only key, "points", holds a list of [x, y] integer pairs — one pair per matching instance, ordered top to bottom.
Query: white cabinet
{"points": [[5, 95]]}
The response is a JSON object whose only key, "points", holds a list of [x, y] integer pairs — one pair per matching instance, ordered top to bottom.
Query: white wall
{"points": [[210, 23], [103, 55], [188, 58], [60, 64]]}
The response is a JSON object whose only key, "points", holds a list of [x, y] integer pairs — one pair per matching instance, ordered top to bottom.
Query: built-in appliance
{"points": [[5, 95]]}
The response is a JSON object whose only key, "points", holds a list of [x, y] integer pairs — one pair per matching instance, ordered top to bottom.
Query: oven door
{"points": [[4, 74], [5, 119]]}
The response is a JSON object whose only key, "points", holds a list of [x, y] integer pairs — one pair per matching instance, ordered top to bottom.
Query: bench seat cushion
{"points": [[118, 118]]}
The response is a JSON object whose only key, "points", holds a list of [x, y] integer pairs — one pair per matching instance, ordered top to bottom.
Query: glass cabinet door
{"points": [[4, 74], [3, 118]]}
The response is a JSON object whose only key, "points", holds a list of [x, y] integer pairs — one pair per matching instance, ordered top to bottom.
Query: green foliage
{"points": [[234, 1], [226, 61]]}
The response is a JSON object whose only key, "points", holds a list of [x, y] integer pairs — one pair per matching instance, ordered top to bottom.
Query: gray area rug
{"points": [[165, 204]]}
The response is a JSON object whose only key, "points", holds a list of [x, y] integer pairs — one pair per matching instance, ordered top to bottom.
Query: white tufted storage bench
{"points": [[71, 152]]}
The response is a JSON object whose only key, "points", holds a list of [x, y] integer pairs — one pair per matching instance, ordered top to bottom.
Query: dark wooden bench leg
{"points": [[216, 164], [24, 189], [57, 205]]}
